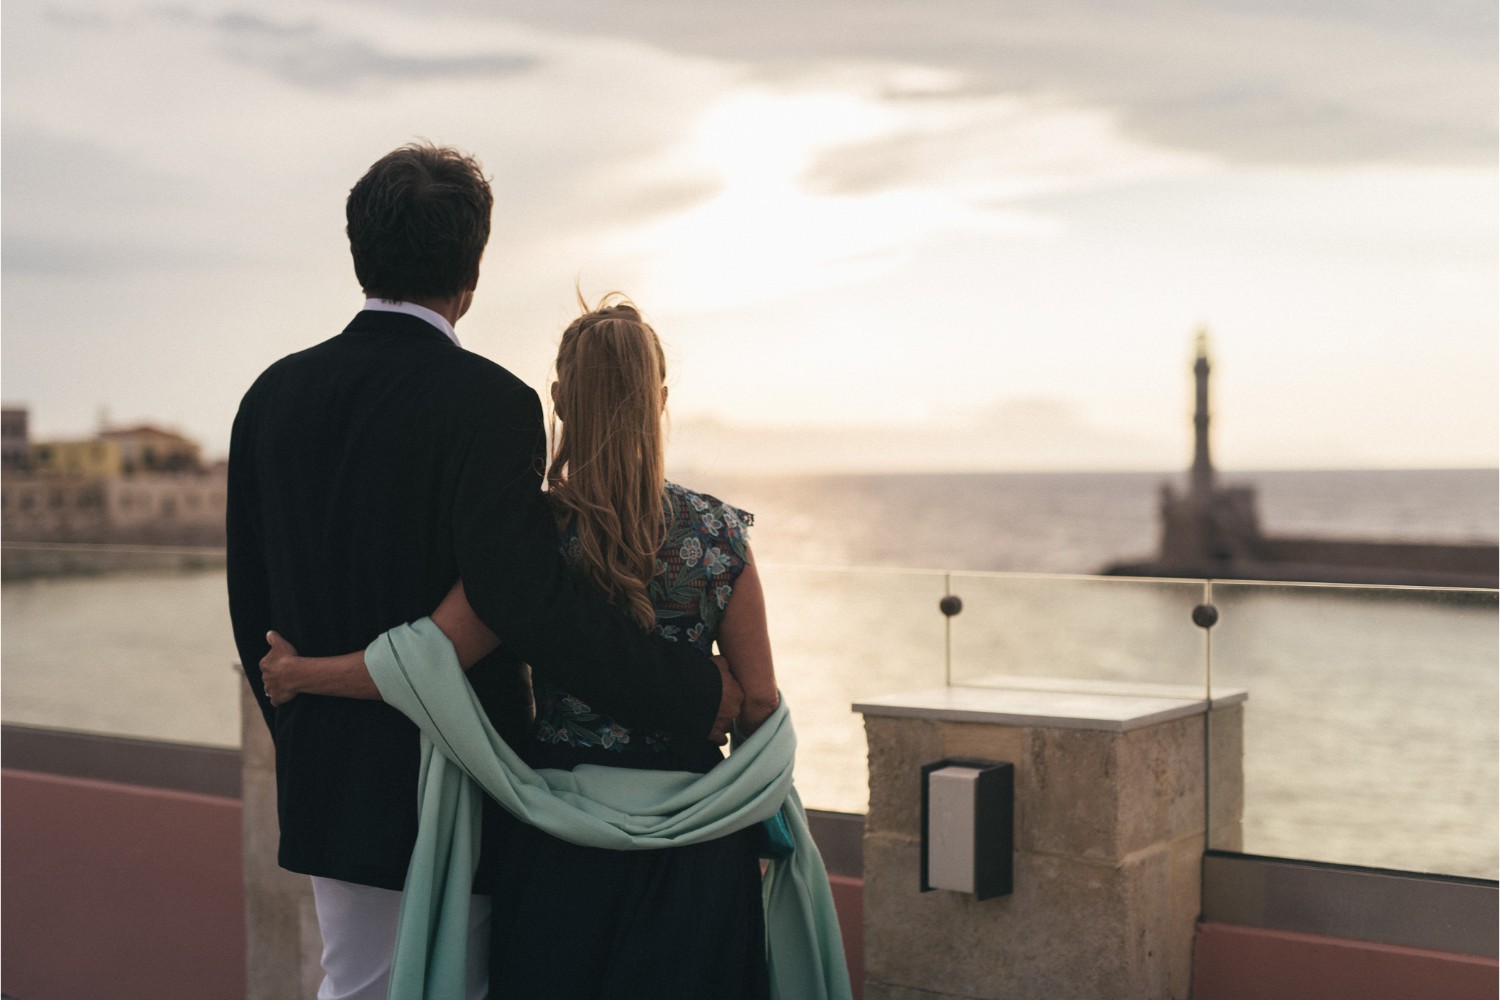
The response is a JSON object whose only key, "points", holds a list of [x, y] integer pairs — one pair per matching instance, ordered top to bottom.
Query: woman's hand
{"points": [[279, 670], [285, 674]]}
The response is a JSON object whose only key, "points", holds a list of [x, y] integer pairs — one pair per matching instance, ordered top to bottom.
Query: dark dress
{"points": [[686, 922]]}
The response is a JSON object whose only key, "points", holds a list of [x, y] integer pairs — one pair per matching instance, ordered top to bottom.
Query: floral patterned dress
{"points": [[701, 557], [582, 923]]}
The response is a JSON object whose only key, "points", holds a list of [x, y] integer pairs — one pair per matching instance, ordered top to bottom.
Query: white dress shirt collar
{"points": [[412, 309]]}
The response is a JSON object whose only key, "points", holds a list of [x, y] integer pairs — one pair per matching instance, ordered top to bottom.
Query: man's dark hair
{"points": [[418, 221]]}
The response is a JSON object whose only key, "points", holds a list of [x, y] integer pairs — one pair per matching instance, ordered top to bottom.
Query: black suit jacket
{"points": [[366, 474]]}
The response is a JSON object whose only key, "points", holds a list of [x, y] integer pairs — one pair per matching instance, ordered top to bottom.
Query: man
{"points": [[368, 474]]}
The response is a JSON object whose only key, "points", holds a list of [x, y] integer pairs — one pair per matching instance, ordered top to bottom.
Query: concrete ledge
{"points": [[1075, 705], [180, 767], [840, 839], [1436, 913]]}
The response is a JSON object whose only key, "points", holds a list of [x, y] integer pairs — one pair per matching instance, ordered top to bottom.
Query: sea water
{"points": [[1370, 726]]}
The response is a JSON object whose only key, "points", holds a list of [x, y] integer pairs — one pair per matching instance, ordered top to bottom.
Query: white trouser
{"points": [[358, 923]]}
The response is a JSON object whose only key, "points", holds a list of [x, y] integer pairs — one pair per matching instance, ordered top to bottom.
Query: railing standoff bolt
{"points": [[950, 605], [1205, 616]]}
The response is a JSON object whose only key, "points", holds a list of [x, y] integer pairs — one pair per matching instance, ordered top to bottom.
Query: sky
{"points": [[880, 235]]}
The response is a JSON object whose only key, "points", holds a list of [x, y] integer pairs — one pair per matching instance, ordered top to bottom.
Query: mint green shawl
{"points": [[417, 672]]}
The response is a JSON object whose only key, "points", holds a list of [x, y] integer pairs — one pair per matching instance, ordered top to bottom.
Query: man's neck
{"points": [[450, 307]]}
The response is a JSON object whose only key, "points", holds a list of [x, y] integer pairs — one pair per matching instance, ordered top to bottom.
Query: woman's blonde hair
{"points": [[608, 465]]}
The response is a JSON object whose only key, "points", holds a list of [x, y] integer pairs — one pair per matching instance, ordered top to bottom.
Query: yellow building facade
{"points": [[93, 458]]}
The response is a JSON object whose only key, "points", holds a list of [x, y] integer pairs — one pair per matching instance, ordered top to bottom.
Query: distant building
{"points": [[15, 443], [150, 449], [75, 459], [136, 485], [186, 507], [47, 508]]}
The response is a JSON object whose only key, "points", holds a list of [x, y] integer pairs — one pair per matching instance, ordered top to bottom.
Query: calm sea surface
{"points": [[1359, 700]]}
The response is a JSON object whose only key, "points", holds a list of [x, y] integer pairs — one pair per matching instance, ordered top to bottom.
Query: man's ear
{"points": [[664, 398]]}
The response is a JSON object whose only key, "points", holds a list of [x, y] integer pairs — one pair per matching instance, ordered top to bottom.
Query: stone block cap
{"points": [[1052, 704]]}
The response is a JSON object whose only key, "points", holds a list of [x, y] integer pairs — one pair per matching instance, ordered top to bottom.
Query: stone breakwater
{"points": [[28, 560]]}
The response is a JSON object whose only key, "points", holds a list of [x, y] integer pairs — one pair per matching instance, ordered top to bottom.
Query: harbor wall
{"points": [[27, 560], [1380, 561]]}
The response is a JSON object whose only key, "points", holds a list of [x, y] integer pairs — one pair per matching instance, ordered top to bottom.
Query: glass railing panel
{"points": [[1105, 633], [840, 636], [144, 653], [149, 654], [1370, 729]]}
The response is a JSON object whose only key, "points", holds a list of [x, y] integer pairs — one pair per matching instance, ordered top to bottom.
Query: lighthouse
{"points": [[1203, 466], [1208, 527], [1212, 530]]}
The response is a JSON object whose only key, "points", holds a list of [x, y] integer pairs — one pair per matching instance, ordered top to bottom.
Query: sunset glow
{"points": [[1011, 229]]}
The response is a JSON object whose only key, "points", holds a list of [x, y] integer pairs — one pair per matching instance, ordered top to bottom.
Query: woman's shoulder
{"points": [[690, 510], [705, 549]]}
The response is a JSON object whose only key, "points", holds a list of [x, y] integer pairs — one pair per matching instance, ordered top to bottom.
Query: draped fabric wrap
{"points": [[463, 758]]}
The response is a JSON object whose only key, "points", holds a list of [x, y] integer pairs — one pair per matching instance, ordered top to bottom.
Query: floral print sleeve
{"points": [[700, 559]]}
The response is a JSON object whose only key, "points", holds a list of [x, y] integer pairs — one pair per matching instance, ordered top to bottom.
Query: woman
{"points": [[585, 921]]}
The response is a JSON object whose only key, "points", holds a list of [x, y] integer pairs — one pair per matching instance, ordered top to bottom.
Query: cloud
{"points": [[79, 18], [303, 50], [307, 53], [1312, 82], [992, 150], [46, 166], [75, 206], [97, 257]]}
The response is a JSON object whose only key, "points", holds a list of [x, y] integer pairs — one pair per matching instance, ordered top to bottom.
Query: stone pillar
{"points": [[1110, 829], [283, 950]]}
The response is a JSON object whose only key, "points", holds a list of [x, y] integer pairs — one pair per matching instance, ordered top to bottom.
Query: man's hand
{"points": [[277, 669], [730, 702]]}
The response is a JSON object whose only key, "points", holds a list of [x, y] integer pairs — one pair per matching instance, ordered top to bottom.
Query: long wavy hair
{"points": [[607, 471]]}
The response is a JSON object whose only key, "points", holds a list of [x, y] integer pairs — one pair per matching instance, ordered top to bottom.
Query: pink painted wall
{"points": [[118, 891], [1248, 963]]}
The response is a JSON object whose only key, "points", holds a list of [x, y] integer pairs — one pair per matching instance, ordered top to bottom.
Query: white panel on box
{"points": [[950, 827]]}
